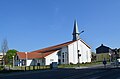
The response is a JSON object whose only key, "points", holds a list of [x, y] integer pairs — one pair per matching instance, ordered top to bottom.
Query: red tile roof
{"points": [[56, 47], [43, 52], [21, 55], [33, 55]]}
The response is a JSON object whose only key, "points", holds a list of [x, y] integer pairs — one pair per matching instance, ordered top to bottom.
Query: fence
{"points": [[30, 67], [25, 68]]}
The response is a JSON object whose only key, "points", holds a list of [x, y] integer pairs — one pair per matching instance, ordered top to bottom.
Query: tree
{"points": [[4, 48], [10, 54], [93, 57]]}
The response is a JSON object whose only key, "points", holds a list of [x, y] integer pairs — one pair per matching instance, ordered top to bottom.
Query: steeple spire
{"points": [[75, 32]]}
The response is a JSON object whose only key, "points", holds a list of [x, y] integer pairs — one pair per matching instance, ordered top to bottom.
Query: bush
{"points": [[71, 63], [1, 68]]}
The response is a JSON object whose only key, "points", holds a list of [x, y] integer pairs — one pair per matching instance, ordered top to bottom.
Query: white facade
{"points": [[71, 53], [65, 55], [51, 58], [29, 61]]}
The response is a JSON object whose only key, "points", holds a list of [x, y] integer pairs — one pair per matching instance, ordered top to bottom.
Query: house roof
{"points": [[85, 44], [56, 47], [103, 49], [41, 53], [21, 55], [33, 55]]}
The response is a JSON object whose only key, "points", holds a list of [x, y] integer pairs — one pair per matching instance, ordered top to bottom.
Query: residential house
{"points": [[103, 52], [1, 58]]}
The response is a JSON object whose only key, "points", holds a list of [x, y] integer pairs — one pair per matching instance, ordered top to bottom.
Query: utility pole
{"points": [[79, 50], [13, 61], [26, 61]]}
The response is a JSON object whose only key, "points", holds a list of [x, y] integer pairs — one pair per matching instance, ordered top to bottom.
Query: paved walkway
{"points": [[22, 72], [29, 72]]}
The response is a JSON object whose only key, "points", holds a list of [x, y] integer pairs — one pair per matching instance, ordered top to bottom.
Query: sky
{"points": [[30, 25]]}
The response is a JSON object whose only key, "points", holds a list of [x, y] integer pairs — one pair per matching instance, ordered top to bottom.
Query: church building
{"points": [[74, 51]]}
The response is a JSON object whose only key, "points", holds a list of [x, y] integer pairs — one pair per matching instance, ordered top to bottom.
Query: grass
{"points": [[76, 65], [23, 68]]}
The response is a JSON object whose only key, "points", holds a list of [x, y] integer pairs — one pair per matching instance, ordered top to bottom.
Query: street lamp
{"points": [[81, 32], [78, 49], [110, 54], [26, 57], [26, 60], [13, 61]]}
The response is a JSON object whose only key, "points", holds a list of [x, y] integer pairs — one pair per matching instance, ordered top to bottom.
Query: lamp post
{"points": [[81, 32], [79, 50], [110, 54], [25, 60], [13, 61]]}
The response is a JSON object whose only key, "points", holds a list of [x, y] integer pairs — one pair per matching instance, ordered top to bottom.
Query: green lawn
{"points": [[83, 65], [48, 67]]}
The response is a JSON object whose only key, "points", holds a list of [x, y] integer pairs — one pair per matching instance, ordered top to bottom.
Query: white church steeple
{"points": [[75, 32]]}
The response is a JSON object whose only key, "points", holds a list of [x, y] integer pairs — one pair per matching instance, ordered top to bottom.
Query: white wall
{"points": [[83, 50], [72, 53], [51, 58], [29, 62]]}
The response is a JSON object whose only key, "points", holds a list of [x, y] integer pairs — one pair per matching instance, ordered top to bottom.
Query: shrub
{"points": [[1, 68]]}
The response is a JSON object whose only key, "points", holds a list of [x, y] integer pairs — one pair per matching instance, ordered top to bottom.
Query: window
{"points": [[59, 53], [66, 54], [63, 55], [17, 58], [62, 60], [59, 61], [23, 62]]}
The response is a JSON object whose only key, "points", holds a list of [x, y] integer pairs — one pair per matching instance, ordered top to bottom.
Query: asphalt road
{"points": [[89, 73]]}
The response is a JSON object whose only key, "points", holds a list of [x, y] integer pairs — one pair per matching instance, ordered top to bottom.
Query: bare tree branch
{"points": [[4, 48]]}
